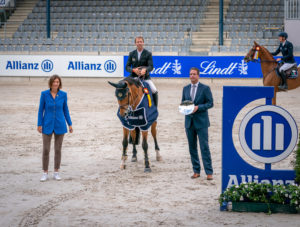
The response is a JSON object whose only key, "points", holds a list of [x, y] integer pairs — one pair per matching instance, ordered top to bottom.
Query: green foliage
{"points": [[262, 193]]}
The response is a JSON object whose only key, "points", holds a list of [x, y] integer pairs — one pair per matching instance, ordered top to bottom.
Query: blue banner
{"points": [[210, 66], [267, 134]]}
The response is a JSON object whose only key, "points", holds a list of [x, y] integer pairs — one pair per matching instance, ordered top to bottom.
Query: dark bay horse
{"points": [[268, 66], [129, 93]]}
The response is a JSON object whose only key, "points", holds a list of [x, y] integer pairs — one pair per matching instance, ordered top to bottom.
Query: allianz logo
{"points": [[19, 65], [46, 65], [81, 65], [235, 179]]}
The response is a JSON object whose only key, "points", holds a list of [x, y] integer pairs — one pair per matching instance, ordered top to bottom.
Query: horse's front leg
{"points": [[154, 132], [134, 139], [125, 145], [145, 148]]}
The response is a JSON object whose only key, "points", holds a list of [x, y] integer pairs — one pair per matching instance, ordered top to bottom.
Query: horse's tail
{"points": [[137, 136]]}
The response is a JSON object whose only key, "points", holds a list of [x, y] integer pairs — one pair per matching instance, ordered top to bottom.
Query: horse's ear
{"points": [[255, 43], [113, 84], [121, 84]]}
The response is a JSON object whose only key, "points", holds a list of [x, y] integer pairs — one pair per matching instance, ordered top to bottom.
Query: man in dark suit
{"points": [[286, 48], [140, 64], [197, 123]]}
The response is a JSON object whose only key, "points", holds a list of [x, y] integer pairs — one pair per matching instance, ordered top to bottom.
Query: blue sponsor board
{"points": [[210, 66], [267, 134]]}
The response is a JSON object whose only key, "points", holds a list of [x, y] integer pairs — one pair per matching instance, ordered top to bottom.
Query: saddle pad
{"points": [[293, 77]]}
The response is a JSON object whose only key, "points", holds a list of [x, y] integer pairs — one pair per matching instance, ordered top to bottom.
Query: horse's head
{"points": [[250, 56], [122, 94], [126, 94]]}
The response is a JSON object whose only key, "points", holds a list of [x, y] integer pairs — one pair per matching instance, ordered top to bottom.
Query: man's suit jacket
{"points": [[287, 52], [145, 60], [204, 101], [53, 113]]}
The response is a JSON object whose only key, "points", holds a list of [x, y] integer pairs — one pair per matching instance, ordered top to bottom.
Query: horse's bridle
{"points": [[256, 61], [127, 107]]}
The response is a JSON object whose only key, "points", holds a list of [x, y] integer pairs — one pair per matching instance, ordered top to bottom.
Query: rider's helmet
{"points": [[283, 34]]}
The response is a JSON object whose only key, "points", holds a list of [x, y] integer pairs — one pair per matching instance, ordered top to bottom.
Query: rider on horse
{"points": [[286, 48], [140, 64]]}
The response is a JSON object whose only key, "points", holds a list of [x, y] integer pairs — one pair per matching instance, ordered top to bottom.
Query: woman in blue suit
{"points": [[52, 116]]}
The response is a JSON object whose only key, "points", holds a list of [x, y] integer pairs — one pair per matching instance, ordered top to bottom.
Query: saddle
{"points": [[291, 73]]}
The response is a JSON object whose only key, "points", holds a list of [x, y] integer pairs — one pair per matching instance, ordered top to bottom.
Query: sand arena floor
{"points": [[94, 191]]}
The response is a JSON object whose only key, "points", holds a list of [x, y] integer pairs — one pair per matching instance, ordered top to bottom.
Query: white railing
{"points": [[292, 9]]}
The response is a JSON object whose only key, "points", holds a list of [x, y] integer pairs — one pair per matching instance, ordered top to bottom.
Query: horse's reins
{"points": [[256, 61], [123, 106], [126, 106]]}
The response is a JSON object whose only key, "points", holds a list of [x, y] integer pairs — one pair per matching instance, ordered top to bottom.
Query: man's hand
{"points": [[278, 59], [136, 71], [143, 71], [195, 109], [70, 129]]}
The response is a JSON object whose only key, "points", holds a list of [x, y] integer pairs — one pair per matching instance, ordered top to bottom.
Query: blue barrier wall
{"points": [[210, 66]]}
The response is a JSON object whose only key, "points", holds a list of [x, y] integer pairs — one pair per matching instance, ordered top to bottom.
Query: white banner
{"points": [[4, 3], [63, 65]]}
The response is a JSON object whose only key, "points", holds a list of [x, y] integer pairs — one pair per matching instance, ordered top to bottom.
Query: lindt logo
{"points": [[175, 66], [210, 68]]}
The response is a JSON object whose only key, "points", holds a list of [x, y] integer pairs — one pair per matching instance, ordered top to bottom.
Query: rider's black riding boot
{"points": [[284, 84], [155, 98]]}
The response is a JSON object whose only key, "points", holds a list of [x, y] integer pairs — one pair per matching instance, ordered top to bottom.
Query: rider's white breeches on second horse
{"points": [[286, 66], [152, 86]]}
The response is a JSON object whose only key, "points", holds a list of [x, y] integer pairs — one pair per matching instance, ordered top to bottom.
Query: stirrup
{"points": [[283, 87]]}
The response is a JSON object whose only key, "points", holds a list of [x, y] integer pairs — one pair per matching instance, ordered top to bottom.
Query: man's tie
{"points": [[193, 92]]}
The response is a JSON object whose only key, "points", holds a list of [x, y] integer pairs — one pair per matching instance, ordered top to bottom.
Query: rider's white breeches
{"points": [[286, 66], [152, 86]]}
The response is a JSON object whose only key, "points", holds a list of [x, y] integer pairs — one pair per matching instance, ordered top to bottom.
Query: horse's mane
{"points": [[267, 52], [131, 81]]}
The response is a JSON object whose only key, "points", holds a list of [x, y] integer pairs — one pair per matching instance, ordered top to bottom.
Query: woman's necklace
{"points": [[53, 94]]}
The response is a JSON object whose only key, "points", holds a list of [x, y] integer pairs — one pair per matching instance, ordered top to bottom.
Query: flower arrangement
{"points": [[262, 193]]}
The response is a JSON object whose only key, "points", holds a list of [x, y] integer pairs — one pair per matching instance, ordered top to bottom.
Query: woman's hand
{"points": [[39, 128], [70, 129]]}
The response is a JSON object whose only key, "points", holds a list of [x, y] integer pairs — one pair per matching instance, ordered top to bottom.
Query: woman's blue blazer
{"points": [[53, 113]]}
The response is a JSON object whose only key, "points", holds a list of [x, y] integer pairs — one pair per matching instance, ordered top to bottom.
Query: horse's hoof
{"points": [[124, 157], [159, 158], [134, 159], [123, 167], [147, 170]]}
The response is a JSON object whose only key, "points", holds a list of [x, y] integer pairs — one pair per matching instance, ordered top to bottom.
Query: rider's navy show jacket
{"points": [[287, 52], [144, 61]]}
